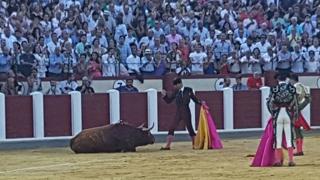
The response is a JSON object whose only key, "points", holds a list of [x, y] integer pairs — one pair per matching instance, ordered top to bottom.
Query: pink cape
{"points": [[215, 139], [265, 152], [265, 155]]}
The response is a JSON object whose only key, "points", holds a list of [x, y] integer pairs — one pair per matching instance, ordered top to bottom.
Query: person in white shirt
{"points": [[250, 23], [121, 29], [203, 31], [8, 37], [53, 44], [263, 45], [315, 47], [197, 58], [269, 60], [297, 60], [42, 61], [133, 61], [255, 61], [148, 63], [234, 63], [244, 63], [109, 64], [312, 64], [68, 85], [53, 90]]}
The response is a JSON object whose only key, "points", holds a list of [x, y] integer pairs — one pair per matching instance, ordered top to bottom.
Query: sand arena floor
{"points": [[149, 163]]}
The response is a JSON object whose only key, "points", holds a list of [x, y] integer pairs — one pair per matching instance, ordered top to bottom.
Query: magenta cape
{"points": [[207, 136], [215, 139], [265, 152]]}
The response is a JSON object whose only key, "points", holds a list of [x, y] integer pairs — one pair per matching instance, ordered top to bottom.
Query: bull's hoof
{"points": [[165, 148]]}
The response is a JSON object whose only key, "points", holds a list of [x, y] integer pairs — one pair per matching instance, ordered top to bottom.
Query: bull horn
{"points": [[141, 126], [150, 127]]}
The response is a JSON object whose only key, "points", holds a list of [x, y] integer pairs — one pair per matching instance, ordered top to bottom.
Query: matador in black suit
{"points": [[182, 95]]}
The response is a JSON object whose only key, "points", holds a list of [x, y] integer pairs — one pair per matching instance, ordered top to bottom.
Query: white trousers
{"points": [[283, 124]]}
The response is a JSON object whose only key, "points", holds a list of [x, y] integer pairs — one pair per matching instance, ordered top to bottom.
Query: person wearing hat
{"points": [[148, 64], [85, 88], [182, 96]]}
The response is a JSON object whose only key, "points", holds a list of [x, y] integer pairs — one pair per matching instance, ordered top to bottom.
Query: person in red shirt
{"points": [[254, 82]]}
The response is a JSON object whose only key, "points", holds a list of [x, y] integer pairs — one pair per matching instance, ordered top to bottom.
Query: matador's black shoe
{"points": [[165, 148], [298, 154]]}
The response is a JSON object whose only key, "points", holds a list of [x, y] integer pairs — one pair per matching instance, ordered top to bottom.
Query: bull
{"points": [[120, 137]]}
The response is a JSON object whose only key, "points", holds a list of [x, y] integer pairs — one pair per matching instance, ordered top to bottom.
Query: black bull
{"points": [[118, 137]]}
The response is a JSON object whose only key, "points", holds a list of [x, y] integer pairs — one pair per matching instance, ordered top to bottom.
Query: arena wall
{"points": [[41, 116]]}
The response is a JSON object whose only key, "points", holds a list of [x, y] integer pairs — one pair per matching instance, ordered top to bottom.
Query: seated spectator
{"points": [[160, 62], [148, 64], [94, 66], [226, 82], [254, 82], [33, 83], [68, 85], [239, 86], [9, 87], [85, 88], [128, 88], [53, 90]]}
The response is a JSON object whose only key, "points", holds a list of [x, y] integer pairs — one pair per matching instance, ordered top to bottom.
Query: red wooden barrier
{"points": [[214, 100], [315, 107], [134, 108], [247, 109], [95, 110], [57, 115], [19, 117]]}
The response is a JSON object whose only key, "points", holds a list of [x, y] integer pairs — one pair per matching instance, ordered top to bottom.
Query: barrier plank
{"points": [[214, 100], [315, 107], [133, 108], [247, 109], [95, 110], [57, 115], [19, 117]]}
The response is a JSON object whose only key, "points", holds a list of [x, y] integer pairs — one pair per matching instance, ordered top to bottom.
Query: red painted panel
{"points": [[214, 100], [315, 107], [134, 108], [247, 109], [95, 110], [57, 115], [166, 115], [19, 117]]}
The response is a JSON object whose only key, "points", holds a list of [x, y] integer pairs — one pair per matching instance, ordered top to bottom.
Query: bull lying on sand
{"points": [[119, 137]]}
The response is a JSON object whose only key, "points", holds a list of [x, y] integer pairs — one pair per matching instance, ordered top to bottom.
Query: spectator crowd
{"points": [[109, 38]]}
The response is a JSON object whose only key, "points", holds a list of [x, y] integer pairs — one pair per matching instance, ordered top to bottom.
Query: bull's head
{"points": [[145, 135]]}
